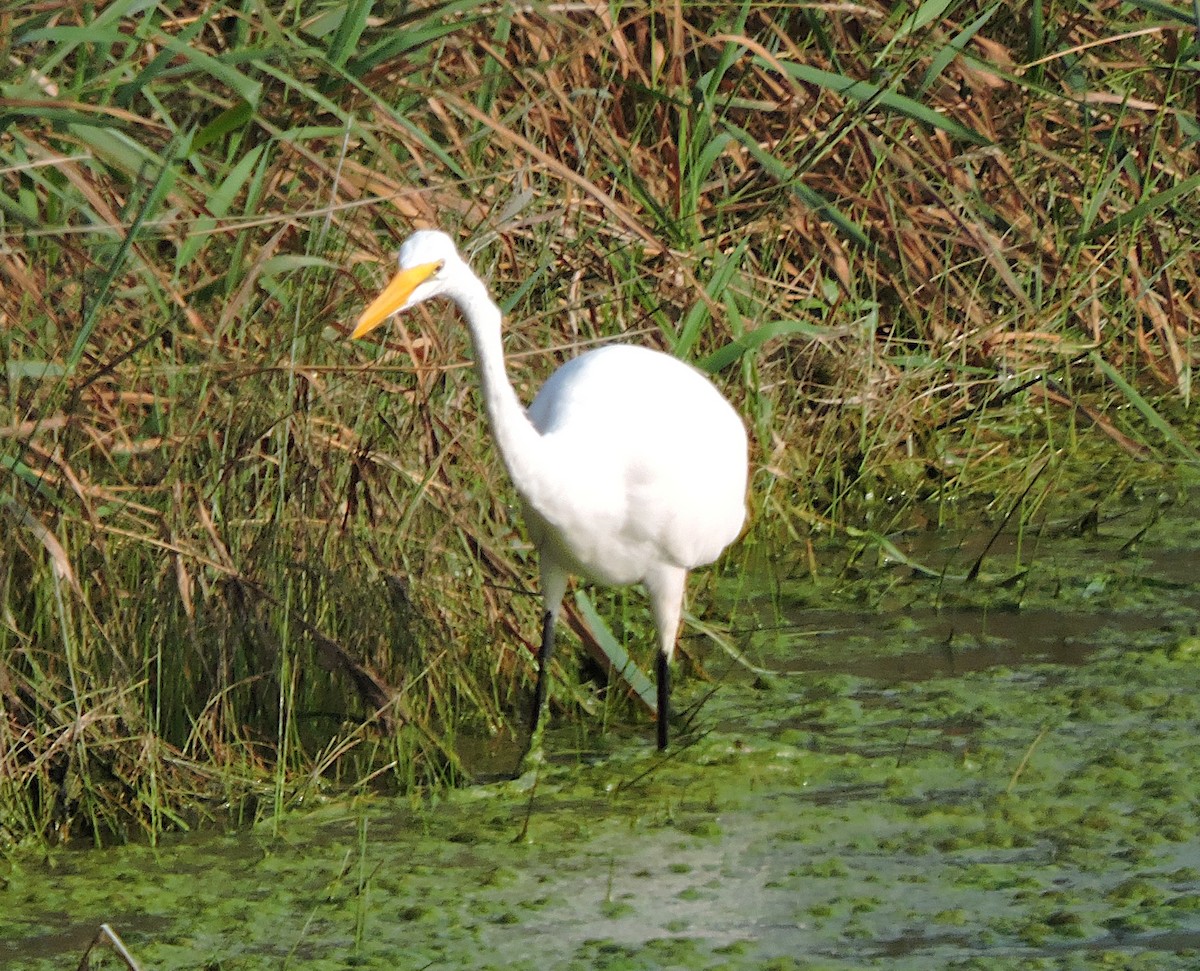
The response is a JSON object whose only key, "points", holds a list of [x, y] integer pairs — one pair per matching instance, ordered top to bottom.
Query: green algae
{"points": [[1029, 814], [904, 839]]}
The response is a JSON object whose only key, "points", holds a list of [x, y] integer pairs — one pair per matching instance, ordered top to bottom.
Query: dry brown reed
{"points": [[243, 559]]}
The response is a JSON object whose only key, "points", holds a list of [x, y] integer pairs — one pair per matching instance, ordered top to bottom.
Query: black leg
{"points": [[543, 676], [664, 698]]}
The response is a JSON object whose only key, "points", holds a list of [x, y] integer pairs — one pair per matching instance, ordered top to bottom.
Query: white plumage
{"points": [[630, 465]]}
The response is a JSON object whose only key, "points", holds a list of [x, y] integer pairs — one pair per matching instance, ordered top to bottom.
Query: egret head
{"points": [[428, 265]]}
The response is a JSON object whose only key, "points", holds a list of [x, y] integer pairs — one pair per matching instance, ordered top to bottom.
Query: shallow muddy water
{"points": [[939, 775]]}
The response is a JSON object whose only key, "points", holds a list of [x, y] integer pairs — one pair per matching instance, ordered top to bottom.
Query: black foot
{"points": [[543, 675], [664, 698]]}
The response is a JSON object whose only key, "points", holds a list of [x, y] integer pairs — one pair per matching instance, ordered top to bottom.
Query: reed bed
{"points": [[922, 248]]}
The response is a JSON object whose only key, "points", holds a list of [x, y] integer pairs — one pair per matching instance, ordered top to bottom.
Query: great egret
{"points": [[630, 465]]}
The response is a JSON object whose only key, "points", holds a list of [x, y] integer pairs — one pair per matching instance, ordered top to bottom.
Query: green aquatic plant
{"points": [[245, 563]]}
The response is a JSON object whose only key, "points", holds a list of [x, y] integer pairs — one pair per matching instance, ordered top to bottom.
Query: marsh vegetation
{"points": [[941, 257]]}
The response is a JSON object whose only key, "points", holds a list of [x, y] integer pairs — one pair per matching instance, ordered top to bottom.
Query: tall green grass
{"points": [[245, 560]]}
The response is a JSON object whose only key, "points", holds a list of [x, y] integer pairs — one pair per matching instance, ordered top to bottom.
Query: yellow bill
{"points": [[394, 296]]}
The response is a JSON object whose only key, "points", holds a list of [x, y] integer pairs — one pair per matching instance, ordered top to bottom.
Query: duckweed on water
{"points": [[1037, 818]]}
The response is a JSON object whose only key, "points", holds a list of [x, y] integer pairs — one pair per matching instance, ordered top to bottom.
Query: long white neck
{"points": [[520, 444]]}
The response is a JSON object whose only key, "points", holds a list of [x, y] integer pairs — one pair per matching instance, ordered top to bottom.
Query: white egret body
{"points": [[630, 465]]}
